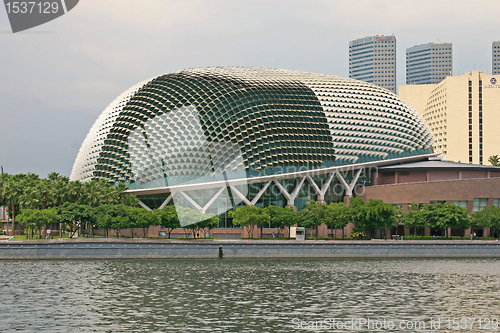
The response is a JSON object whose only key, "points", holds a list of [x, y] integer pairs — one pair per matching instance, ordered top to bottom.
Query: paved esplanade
{"points": [[158, 249]]}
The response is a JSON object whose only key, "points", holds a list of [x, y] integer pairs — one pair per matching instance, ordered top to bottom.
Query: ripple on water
{"points": [[239, 295]]}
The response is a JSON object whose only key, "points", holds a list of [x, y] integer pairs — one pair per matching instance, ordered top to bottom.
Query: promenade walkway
{"points": [[176, 249]]}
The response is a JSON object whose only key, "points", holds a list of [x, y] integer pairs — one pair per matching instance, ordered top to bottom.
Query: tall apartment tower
{"points": [[495, 58], [373, 59], [428, 63]]}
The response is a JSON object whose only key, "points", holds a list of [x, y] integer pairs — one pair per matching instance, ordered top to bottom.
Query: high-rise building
{"points": [[495, 58], [373, 59], [428, 63], [462, 113]]}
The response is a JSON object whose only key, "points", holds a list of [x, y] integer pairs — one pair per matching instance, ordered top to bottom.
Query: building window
{"points": [[404, 173], [496, 202], [479, 203], [462, 204]]}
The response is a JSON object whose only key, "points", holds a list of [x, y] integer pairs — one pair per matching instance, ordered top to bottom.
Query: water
{"points": [[244, 295]]}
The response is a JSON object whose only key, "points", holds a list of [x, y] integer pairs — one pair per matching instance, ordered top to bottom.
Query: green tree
{"points": [[494, 160], [3, 183], [43, 187], [74, 189], [12, 192], [91, 193], [121, 197], [70, 215], [312, 215], [372, 215], [446, 215], [27, 216], [337, 216], [42, 217], [114, 217], [249, 217], [281, 217], [488, 217], [103, 218], [120, 218], [168, 218], [415, 218], [142, 219], [192, 219], [206, 225]]}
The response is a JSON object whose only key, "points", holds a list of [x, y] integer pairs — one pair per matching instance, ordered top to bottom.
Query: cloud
{"points": [[54, 85]]}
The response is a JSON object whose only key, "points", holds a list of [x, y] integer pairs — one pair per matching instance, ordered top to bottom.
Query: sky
{"points": [[55, 79]]}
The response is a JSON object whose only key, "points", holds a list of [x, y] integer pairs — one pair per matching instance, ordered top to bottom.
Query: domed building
{"points": [[216, 138]]}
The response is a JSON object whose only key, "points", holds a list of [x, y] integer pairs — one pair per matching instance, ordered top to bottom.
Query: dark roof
{"points": [[439, 165]]}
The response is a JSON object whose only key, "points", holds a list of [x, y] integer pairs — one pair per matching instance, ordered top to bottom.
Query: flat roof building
{"points": [[495, 58], [373, 59], [428, 63], [463, 113]]}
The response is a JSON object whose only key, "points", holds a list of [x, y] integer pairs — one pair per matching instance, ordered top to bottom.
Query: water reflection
{"points": [[239, 295]]}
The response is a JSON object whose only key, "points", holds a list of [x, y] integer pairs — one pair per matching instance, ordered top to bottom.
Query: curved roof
{"points": [[209, 124]]}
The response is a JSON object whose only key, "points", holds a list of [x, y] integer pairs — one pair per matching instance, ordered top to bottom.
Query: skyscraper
{"points": [[495, 58], [373, 59], [428, 63]]}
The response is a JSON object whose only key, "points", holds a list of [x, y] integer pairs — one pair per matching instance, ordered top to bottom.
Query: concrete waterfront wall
{"points": [[274, 249]]}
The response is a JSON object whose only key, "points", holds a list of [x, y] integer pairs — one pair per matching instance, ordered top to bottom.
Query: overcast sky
{"points": [[55, 79]]}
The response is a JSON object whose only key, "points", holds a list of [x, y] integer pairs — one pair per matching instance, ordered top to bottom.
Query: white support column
{"points": [[349, 187], [261, 192], [321, 192], [240, 195], [290, 197], [255, 199], [167, 200], [211, 201], [194, 203], [143, 205]]}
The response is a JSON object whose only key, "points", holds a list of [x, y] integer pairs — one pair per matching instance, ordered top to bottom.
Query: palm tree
{"points": [[494, 160], [53, 176], [4, 179], [43, 187], [59, 190], [74, 190], [11, 192], [91, 193], [120, 194], [29, 199]]}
